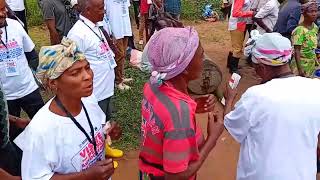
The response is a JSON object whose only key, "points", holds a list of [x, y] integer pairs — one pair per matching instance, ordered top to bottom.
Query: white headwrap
{"points": [[270, 48]]}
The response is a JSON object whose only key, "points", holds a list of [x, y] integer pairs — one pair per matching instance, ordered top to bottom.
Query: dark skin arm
{"points": [[262, 25], [54, 35], [297, 56], [230, 96], [18, 122], [215, 129], [102, 170], [7, 176]]}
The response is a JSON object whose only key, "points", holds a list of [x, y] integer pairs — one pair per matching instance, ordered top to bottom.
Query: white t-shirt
{"points": [[16, 5], [269, 15], [117, 17], [99, 55], [15, 73], [277, 125], [54, 144]]}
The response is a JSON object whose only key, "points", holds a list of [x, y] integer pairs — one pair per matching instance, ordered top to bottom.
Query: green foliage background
{"points": [[191, 10]]}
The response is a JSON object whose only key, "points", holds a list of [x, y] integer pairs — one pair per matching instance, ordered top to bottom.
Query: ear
{"points": [[53, 85]]}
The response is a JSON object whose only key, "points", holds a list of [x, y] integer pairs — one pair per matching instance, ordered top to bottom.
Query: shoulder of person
{"points": [[12, 22]]}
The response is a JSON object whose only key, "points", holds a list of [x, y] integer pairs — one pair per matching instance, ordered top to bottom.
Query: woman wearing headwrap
{"points": [[304, 39], [276, 126], [65, 139], [172, 144]]}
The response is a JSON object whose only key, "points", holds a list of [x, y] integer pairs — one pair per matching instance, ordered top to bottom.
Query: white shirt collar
{"points": [[87, 21]]}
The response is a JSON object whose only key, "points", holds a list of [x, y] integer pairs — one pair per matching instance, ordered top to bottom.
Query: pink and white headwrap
{"points": [[270, 49], [170, 51]]}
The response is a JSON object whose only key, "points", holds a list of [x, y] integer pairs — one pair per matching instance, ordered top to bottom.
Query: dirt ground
{"points": [[222, 161]]}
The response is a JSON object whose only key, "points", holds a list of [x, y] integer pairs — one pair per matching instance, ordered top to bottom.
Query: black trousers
{"points": [[136, 7], [23, 17], [31, 104], [106, 106], [10, 159]]}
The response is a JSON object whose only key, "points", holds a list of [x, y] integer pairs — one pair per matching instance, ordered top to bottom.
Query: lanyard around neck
{"points": [[100, 37], [5, 44], [93, 140]]}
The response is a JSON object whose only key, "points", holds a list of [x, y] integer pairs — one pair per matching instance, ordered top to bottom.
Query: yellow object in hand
{"points": [[114, 153], [115, 164]]}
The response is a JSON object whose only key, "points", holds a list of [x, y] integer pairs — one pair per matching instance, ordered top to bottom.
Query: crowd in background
{"points": [[85, 63]]}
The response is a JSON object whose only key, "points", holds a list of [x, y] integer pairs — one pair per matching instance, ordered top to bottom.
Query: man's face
{"points": [[97, 10], [3, 13]]}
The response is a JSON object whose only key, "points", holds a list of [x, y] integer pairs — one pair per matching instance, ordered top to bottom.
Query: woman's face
{"points": [[311, 13], [195, 67], [76, 81]]}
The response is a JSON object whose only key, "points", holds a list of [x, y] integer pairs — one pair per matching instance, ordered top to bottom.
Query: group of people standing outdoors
{"points": [[268, 16], [277, 128]]}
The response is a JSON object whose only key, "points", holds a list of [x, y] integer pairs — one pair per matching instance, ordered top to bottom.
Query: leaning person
{"points": [[276, 127], [65, 138], [172, 145]]}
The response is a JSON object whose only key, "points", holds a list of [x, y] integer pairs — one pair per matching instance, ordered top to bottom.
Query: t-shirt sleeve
{"points": [[47, 8], [265, 10], [298, 36], [28, 44], [238, 121], [180, 146], [38, 155]]}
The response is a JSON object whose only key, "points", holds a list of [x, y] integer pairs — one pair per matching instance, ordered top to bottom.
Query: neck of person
{"points": [[86, 15], [307, 23], [279, 72], [180, 84], [73, 105]]}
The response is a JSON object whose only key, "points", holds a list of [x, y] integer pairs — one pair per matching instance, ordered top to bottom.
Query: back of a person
{"points": [[287, 10], [285, 123]]}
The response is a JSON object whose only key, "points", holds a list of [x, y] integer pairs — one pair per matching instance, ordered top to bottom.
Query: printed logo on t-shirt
{"points": [[13, 51], [148, 121], [87, 156]]}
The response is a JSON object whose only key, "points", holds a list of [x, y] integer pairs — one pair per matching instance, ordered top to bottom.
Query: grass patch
{"points": [[34, 14], [128, 109]]}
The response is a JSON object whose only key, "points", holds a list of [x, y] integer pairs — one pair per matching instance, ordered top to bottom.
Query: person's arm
{"points": [[47, 8], [237, 10], [293, 20], [262, 25], [54, 35], [298, 38], [297, 56], [33, 59], [18, 122], [215, 129], [102, 170], [7, 176]]}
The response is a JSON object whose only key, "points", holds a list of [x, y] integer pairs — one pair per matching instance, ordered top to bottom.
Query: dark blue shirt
{"points": [[289, 17]]}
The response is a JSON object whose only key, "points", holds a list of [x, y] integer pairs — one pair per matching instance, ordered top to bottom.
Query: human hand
{"points": [[230, 94], [210, 103], [19, 122], [215, 126], [115, 132], [101, 170]]}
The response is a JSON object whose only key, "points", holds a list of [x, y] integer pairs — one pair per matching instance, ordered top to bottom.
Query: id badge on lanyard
{"points": [[107, 55], [11, 67]]}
